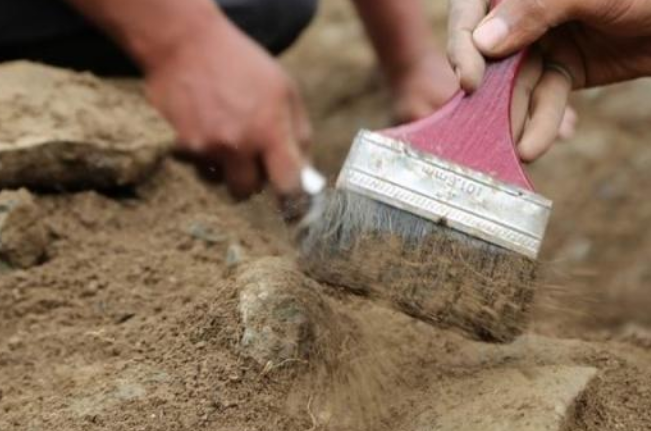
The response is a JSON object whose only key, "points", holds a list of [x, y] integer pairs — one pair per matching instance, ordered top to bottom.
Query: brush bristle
{"points": [[425, 269]]}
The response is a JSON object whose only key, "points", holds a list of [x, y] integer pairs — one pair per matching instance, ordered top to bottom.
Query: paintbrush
{"points": [[437, 217]]}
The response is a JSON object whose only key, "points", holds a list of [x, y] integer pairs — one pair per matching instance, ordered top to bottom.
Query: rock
{"points": [[62, 129], [206, 228], [206, 233], [23, 236], [235, 254], [279, 310], [532, 399]]}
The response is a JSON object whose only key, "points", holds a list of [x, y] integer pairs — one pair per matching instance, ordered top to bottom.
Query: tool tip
{"points": [[304, 206]]}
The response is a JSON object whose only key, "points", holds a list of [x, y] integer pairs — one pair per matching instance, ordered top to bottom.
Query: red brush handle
{"points": [[475, 130]]}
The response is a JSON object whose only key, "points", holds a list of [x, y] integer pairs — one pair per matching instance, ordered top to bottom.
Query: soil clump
{"points": [[67, 130]]}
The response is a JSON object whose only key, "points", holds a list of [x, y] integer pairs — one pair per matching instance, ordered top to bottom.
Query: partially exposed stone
{"points": [[62, 129], [23, 237], [278, 308], [531, 399]]}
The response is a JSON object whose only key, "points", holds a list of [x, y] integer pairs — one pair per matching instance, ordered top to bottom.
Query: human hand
{"points": [[582, 43], [422, 87], [232, 105]]}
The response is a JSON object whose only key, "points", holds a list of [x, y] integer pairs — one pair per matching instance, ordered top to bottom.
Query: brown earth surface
{"points": [[132, 320]]}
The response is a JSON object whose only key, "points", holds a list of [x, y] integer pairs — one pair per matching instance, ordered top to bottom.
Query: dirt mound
{"points": [[62, 129], [23, 238]]}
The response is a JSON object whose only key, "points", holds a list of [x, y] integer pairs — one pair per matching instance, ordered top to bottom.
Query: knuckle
{"points": [[537, 8], [457, 9], [537, 12], [453, 49], [291, 85], [285, 86], [284, 89], [291, 90], [227, 134], [271, 137]]}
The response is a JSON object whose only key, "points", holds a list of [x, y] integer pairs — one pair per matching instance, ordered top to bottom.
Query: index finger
{"points": [[466, 59], [283, 158]]}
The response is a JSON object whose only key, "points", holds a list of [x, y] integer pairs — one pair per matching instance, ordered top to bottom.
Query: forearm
{"points": [[150, 30], [398, 30]]}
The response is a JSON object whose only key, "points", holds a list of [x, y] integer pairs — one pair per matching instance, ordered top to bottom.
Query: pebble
{"points": [[68, 130], [205, 233], [23, 236], [235, 255]]}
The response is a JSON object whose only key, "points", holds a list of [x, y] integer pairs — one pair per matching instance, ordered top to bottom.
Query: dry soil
{"points": [[131, 320]]}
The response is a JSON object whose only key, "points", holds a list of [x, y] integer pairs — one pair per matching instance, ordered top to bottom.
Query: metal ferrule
{"points": [[392, 172]]}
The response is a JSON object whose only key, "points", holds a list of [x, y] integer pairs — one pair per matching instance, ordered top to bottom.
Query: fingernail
{"points": [[490, 34]]}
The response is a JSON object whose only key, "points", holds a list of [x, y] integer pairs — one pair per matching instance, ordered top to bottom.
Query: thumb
{"points": [[516, 24]]}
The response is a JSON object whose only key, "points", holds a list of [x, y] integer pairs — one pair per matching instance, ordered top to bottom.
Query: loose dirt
{"points": [[131, 321]]}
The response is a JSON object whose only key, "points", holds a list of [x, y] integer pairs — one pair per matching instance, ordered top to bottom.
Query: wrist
{"points": [[189, 31], [400, 58], [400, 70]]}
